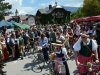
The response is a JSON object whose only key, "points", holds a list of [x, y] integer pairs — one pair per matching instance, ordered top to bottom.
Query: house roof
{"points": [[43, 11], [47, 11], [7, 17], [23, 17]]}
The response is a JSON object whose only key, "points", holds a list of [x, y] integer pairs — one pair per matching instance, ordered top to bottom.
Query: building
{"points": [[55, 14], [29, 19]]}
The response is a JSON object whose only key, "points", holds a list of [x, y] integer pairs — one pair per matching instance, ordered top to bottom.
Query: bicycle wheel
{"points": [[41, 61], [36, 68], [51, 68]]}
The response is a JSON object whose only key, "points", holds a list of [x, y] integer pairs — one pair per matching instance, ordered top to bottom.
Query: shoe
{"points": [[14, 58], [21, 58], [3, 64], [3, 71]]}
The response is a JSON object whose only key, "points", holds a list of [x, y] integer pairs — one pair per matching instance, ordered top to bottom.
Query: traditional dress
{"points": [[53, 37], [21, 47], [5, 53], [85, 54], [60, 57]]}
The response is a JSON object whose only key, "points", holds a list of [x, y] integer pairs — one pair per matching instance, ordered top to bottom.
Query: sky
{"points": [[31, 6]]}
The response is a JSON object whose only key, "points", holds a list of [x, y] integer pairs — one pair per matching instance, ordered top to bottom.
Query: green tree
{"points": [[91, 7], [4, 9], [77, 14]]}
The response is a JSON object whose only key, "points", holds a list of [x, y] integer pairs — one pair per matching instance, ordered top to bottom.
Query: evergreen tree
{"points": [[4, 9]]}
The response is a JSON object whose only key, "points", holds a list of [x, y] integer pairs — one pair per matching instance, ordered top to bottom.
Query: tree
{"points": [[91, 7], [4, 9], [77, 14]]}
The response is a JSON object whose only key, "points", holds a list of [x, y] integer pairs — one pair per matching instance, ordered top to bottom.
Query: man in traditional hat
{"points": [[83, 49], [60, 55]]}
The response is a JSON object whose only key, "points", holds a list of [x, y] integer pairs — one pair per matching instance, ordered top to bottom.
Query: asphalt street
{"points": [[28, 64]]}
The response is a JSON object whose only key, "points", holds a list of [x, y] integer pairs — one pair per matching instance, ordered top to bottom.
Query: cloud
{"points": [[32, 1], [17, 4], [44, 4], [47, 4], [22, 12]]}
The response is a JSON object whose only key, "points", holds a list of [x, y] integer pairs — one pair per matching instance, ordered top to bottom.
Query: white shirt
{"points": [[77, 31], [90, 31], [94, 33], [61, 38], [77, 45], [64, 51]]}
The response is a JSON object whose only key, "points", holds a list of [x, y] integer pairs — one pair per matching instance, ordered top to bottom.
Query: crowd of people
{"points": [[69, 40]]}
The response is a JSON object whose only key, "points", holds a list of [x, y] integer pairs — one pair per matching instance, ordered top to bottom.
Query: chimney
{"points": [[50, 6]]}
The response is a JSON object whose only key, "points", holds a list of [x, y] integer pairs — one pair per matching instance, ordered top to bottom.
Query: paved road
{"points": [[27, 67]]}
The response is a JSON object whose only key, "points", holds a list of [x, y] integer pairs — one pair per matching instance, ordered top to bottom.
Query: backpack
{"points": [[10, 42]]}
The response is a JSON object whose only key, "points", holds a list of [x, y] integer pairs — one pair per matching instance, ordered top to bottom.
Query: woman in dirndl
{"points": [[4, 50], [82, 53], [61, 55]]}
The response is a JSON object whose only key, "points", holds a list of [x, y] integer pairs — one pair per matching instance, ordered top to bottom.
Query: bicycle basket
{"points": [[61, 68]]}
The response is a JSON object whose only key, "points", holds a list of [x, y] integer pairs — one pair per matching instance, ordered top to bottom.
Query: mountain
{"points": [[72, 9]]}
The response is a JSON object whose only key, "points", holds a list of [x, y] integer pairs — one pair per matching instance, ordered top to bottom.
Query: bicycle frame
{"points": [[61, 67]]}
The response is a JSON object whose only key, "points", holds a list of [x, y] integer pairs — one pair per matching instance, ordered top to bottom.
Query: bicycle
{"points": [[39, 58], [61, 68], [94, 68]]}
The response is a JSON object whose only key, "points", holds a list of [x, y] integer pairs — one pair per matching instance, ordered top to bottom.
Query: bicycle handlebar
{"points": [[60, 62]]}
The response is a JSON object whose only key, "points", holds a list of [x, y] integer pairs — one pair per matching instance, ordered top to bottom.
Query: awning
{"points": [[5, 23], [19, 25], [26, 26]]}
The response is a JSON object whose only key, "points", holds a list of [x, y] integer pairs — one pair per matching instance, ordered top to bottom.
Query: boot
{"points": [[21, 54], [24, 54]]}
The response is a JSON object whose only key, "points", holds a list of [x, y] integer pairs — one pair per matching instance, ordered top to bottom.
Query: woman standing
{"points": [[43, 41], [4, 49]]}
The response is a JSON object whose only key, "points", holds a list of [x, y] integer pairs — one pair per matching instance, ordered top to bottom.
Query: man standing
{"points": [[52, 36], [21, 46]]}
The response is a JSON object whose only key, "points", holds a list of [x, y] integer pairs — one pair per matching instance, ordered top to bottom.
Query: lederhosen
{"points": [[53, 37], [61, 55]]}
